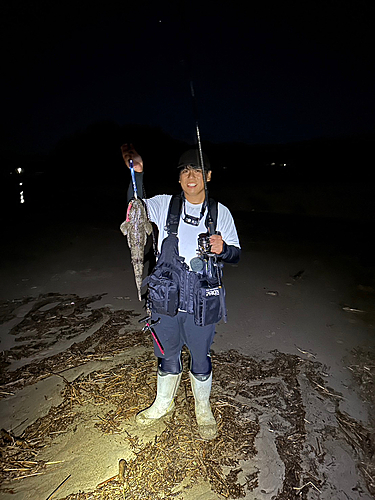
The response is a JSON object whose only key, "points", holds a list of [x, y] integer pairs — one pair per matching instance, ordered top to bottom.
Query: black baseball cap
{"points": [[192, 158]]}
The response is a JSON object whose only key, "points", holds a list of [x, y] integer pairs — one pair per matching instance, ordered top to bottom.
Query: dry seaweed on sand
{"points": [[8, 308], [56, 317], [362, 367], [272, 384], [362, 440], [19, 454], [178, 455], [165, 464], [158, 466]]}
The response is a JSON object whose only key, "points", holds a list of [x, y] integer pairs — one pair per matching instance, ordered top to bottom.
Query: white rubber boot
{"points": [[167, 385], [207, 427]]}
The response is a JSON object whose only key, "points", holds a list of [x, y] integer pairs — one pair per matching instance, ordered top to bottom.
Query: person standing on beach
{"points": [[182, 326]]}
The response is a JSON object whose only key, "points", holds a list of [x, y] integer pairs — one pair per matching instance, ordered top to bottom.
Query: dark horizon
{"points": [[99, 144]]}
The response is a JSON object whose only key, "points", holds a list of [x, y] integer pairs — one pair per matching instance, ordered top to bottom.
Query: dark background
{"points": [[285, 94]]}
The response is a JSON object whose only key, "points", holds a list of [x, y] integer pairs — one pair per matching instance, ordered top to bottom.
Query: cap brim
{"points": [[195, 167]]}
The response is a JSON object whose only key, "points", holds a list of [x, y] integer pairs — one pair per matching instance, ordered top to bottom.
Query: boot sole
{"points": [[148, 422], [207, 432]]}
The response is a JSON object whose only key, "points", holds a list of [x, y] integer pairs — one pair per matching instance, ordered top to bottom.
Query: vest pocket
{"points": [[163, 292], [207, 306]]}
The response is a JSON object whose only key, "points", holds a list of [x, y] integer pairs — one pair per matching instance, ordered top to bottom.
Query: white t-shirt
{"points": [[157, 208]]}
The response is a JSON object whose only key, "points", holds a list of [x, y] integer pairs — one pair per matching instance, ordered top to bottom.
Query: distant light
{"points": [[273, 163], [19, 170], [20, 183], [22, 199]]}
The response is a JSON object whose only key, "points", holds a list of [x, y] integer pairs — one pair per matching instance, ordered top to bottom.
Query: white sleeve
{"points": [[157, 211], [225, 225]]}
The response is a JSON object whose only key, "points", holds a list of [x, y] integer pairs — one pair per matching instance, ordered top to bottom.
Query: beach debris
{"points": [[136, 227], [298, 275], [8, 308], [352, 310], [39, 333], [308, 353], [362, 366], [244, 390], [325, 391], [9, 438], [363, 441], [121, 470], [310, 483], [100, 485], [58, 487]]}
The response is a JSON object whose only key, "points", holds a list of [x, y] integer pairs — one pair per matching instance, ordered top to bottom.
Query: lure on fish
{"points": [[136, 227]]}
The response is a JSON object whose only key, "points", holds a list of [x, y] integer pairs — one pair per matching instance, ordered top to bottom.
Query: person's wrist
{"points": [[224, 251]]}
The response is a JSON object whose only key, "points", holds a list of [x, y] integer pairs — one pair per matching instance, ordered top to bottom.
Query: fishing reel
{"points": [[204, 246], [199, 263]]}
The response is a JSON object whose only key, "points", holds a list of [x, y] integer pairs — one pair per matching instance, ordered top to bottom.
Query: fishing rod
{"points": [[186, 42], [186, 46], [211, 225], [211, 228]]}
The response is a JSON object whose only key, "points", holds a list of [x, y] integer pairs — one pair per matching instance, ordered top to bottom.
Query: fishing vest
{"points": [[174, 213], [173, 287]]}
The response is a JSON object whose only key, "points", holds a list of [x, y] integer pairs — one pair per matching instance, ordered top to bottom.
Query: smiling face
{"points": [[191, 180]]}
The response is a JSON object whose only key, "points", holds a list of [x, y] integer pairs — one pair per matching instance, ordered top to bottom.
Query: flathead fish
{"points": [[136, 227]]}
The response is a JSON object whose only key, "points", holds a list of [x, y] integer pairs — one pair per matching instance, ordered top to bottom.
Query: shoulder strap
{"points": [[174, 212], [213, 212]]}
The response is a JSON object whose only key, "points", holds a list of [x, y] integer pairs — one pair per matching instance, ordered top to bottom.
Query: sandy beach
{"points": [[294, 366]]}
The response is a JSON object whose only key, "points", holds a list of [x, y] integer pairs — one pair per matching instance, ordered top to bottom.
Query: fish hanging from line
{"points": [[136, 227]]}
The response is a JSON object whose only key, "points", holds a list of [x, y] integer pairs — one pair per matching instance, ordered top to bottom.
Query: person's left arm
{"points": [[226, 244], [227, 253]]}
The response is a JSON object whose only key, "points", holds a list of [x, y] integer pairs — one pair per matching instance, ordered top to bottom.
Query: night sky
{"points": [[283, 72]]}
